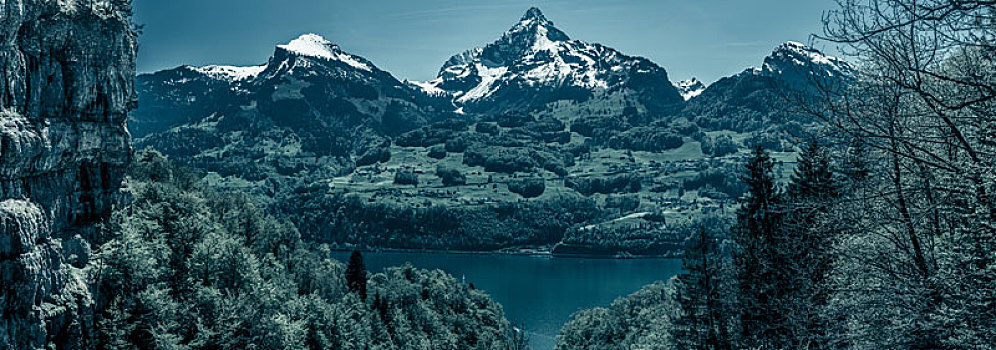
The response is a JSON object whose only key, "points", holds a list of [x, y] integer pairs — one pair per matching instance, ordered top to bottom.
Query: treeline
{"points": [[630, 132], [346, 218], [649, 235], [884, 236], [187, 268]]}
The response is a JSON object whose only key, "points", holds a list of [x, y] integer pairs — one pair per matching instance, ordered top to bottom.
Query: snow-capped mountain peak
{"points": [[533, 23], [533, 33], [314, 45], [793, 55], [534, 56], [690, 88]]}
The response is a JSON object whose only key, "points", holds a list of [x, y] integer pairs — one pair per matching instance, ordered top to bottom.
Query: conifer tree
{"points": [[813, 178], [757, 224], [804, 246], [356, 275], [705, 314]]}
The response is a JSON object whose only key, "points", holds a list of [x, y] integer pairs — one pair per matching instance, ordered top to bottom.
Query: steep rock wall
{"points": [[66, 73]]}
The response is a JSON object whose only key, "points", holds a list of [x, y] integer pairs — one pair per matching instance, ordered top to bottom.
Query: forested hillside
{"points": [[186, 267]]}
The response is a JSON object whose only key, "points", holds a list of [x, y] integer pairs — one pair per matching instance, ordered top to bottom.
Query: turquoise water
{"points": [[538, 293]]}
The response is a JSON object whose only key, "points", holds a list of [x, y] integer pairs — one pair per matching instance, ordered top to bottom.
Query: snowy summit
{"points": [[314, 45], [535, 55]]}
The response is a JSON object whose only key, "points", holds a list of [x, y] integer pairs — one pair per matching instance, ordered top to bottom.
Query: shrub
{"points": [[514, 120], [487, 128], [457, 144], [720, 146], [437, 152], [374, 155], [450, 176], [406, 177], [528, 187]]}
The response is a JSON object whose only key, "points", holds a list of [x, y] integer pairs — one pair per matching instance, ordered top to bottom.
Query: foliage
{"points": [[514, 119], [600, 127], [487, 128], [433, 134], [643, 138], [769, 140], [720, 146], [437, 152], [375, 155], [513, 159], [450, 176], [405, 177], [722, 179], [624, 183], [529, 187], [348, 219], [919, 231], [648, 235], [756, 257], [187, 268], [356, 275], [705, 293], [642, 320]]}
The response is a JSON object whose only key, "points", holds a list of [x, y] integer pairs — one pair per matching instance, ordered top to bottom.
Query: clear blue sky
{"points": [[707, 39]]}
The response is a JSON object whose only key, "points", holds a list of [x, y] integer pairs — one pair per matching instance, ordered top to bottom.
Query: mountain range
{"points": [[530, 66], [597, 138]]}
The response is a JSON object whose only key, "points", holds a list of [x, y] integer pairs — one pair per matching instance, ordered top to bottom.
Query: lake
{"points": [[538, 293]]}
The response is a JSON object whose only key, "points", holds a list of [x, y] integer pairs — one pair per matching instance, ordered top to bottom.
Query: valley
{"points": [[535, 142], [540, 191]]}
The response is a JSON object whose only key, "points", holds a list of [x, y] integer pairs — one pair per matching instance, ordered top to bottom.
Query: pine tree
{"points": [[813, 179], [757, 224], [804, 246], [356, 275], [704, 318], [116, 327]]}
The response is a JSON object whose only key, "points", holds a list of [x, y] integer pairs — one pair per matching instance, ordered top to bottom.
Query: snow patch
{"points": [[313, 45], [230, 73], [488, 78], [429, 87], [690, 88]]}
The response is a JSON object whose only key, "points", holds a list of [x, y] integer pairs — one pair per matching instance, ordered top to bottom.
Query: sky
{"points": [[707, 39]]}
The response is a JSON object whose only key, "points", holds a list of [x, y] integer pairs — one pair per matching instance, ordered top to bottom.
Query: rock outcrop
{"points": [[66, 86]]}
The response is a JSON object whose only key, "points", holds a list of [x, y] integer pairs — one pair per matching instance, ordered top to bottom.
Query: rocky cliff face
{"points": [[66, 76]]}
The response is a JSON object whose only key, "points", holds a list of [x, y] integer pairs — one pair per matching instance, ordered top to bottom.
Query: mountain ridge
{"points": [[535, 63], [556, 124]]}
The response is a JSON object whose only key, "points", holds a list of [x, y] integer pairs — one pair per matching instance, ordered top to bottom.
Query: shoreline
{"points": [[527, 252]]}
